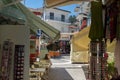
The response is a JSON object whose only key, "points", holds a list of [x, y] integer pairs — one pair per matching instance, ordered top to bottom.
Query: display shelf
{"points": [[6, 60], [19, 62], [98, 64]]}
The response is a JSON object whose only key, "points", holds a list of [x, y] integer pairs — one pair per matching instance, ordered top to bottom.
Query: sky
{"points": [[39, 3]]}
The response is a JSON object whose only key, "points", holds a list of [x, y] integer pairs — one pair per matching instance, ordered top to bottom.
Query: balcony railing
{"points": [[56, 18]]}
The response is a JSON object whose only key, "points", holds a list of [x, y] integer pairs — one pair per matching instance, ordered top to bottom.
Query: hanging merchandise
{"points": [[111, 20], [118, 20], [107, 26], [96, 30], [97, 44], [117, 55], [97, 60], [6, 61], [19, 62], [95, 68]]}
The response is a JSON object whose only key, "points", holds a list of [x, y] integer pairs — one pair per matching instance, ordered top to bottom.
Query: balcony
{"points": [[56, 19]]}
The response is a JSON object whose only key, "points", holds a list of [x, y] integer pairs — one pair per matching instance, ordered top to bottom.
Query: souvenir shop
{"points": [[112, 25], [105, 27], [15, 39], [64, 46], [14, 49]]}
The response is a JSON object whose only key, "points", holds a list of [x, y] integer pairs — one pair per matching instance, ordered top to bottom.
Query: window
{"points": [[51, 15], [63, 18]]}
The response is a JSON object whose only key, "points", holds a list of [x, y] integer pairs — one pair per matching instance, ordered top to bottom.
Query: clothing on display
{"points": [[111, 21], [118, 21], [96, 30], [93, 48], [117, 55], [6, 61], [98, 63], [98, 70]]}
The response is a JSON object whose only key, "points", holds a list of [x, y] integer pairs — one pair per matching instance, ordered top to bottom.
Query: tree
{"points": [[72, 19]]}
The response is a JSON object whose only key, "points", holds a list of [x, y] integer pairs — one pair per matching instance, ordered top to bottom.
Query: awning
{"points": [[5, 3], [54, 3], [19, 11], [36, 23], [80, 40]]}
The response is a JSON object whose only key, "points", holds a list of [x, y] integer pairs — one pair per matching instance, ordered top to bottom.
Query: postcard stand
{"points": [[6, 60], [19, 62]]}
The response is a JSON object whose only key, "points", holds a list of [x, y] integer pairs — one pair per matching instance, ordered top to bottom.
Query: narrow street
{"points": [[62, 69]]}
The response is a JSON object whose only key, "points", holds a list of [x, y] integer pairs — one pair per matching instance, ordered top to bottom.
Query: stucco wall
{"points": [[57, 14], [61, 26], [19, 35]]}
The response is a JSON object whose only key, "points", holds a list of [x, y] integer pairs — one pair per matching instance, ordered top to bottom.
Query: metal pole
{"points": [[24, 2], [44, 7], [39, 40], [39, 43], [97, 52]]}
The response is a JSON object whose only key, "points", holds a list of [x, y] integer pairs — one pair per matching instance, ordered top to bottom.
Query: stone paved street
{"points": [[62, 69]]}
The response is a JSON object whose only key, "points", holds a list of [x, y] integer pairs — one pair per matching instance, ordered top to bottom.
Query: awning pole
{"points": [[44, 7], [39, 43]]}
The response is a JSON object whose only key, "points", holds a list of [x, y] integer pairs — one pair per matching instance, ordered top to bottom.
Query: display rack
{"points": [[6, 60], [97, 60], [19, 62]]}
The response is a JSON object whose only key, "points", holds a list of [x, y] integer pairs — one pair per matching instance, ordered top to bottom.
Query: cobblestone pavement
{"points": [[62, 69]]}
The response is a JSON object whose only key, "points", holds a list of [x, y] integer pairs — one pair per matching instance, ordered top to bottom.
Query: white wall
{"points": [[57, 14], [61, 26], [18, 34]]}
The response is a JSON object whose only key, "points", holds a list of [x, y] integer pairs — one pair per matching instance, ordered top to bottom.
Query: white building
{"points": [[83, 10], [57, 14], [56, 17]]}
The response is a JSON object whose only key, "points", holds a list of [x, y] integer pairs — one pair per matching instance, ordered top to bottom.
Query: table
{"points": [[54, 53], [43, 64], [41, 67], [38, 72]]}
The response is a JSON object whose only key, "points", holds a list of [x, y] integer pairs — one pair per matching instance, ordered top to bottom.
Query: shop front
{"points": [[105, 25], [112, 25], [15, 28], [104, 28], [64, 43], [14, 52]]}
